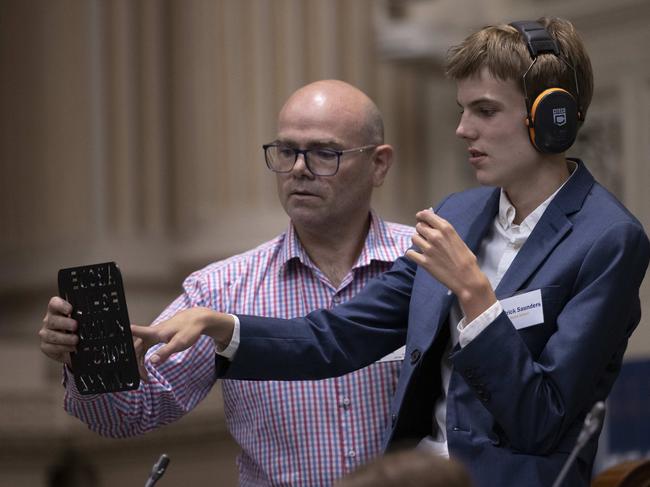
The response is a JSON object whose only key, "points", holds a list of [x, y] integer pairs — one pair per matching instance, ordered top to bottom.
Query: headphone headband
{"points": [[537, 38], [539, 41]]}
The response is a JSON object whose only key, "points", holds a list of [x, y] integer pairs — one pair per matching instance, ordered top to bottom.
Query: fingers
{"points": [[430, 219], [433, 231], [425, 235], [415, 257], [59, 306], [58, 316], [59, 323], [57, 332], [178, 333], [148, 334], [152, 335], [53, 337], [57, 337], [144, 337], [58, 346], [52, 348], [140, 352], [163, 353]]}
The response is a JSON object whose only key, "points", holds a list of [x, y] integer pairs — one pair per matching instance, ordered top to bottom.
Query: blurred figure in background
{"points": [[408, 468], [72, 470]]}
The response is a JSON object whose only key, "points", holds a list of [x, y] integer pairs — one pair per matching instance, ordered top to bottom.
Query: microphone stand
{"points": [[593, 422], [158, 470]]}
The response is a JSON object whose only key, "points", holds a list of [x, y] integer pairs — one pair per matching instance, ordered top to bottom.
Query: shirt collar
{"points": [[507, 211], [379, 245]]}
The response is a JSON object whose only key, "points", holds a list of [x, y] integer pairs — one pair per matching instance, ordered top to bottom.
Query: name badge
{"points": [[524, 310], [394, 356]]}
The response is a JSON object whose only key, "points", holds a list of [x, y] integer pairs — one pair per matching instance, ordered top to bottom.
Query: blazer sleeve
{"points": [[327, 343], [536, 400]]}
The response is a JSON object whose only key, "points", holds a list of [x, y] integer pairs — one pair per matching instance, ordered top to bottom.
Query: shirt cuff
{"points": [[469, 331], [231, 349]]}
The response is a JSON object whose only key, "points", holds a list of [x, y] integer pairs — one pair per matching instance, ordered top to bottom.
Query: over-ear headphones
{"points": [[553, 116]]}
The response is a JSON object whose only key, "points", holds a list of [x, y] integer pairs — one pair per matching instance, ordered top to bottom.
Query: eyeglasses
{"points": [[320, 161]]}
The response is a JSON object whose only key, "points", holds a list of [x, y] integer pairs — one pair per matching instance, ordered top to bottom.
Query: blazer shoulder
{"points": [[469, 197], [469, 204], [603, 209], [604, 222]]}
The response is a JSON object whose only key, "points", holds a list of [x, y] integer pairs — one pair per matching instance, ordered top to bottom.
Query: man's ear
{"points": [[382, 160]]}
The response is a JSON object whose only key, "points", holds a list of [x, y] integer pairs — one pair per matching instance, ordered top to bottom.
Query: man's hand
{"points": [[446, 257], [180, 332], [57, 334]]}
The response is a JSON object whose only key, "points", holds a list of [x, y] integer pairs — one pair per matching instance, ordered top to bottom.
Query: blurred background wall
{"points": [[130, 130]]}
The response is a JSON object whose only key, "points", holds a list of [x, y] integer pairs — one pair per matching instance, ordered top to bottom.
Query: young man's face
{"points": [[493, 125]]}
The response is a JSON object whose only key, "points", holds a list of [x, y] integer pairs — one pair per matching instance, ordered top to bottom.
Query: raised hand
{"points": [[446, 257], [182, 331], [57, 334]]}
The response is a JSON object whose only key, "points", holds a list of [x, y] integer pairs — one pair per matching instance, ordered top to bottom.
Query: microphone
{"points": [[592, 424], [158, 470]]}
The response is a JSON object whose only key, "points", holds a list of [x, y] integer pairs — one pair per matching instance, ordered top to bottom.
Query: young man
{"points": [[329, 155], [519, 296]]}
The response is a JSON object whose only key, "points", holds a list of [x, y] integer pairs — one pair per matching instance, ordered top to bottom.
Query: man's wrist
{"points": [[476, 297], [218, 326]]}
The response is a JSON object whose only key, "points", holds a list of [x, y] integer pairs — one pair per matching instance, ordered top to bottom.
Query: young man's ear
{"points": [[382, 160]]}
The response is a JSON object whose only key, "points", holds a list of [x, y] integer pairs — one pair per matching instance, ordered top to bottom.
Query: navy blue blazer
{"points": [[517, 398]]}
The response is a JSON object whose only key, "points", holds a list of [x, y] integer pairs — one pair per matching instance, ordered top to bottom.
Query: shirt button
{"points": [[336, 299], [415, 356], [484, 396], [345, 402], [352, 453]]}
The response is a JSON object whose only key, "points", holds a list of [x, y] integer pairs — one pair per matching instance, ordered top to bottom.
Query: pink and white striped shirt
{"points": [[302, 433]]}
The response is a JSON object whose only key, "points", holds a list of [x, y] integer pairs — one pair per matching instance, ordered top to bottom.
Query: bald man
{"points": [[328, 157]]}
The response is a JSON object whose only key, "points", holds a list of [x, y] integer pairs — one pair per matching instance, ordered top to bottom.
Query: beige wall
{"points": [[128, 130]]}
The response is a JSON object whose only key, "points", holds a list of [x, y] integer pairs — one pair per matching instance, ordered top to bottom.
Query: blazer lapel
{"points": [[473, 230], [548, 232], [429, 309]]}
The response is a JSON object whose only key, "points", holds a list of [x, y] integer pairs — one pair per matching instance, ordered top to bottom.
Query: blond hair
{"points": [[503, 51]]}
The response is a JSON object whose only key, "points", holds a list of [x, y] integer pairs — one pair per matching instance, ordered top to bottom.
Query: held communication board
{"points": [[105, 359]]}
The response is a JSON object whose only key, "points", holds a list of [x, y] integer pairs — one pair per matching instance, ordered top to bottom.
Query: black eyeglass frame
{"points": [[305, 152]]}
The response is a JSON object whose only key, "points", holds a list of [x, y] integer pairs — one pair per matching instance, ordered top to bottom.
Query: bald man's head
{"points": [[335, 100], [340, 118]]}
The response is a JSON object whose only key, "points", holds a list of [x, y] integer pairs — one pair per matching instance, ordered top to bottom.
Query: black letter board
{"points": [[105, 360]]}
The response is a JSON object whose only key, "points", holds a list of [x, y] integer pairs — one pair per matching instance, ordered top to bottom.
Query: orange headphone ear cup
{"points": [[553, 121]]}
